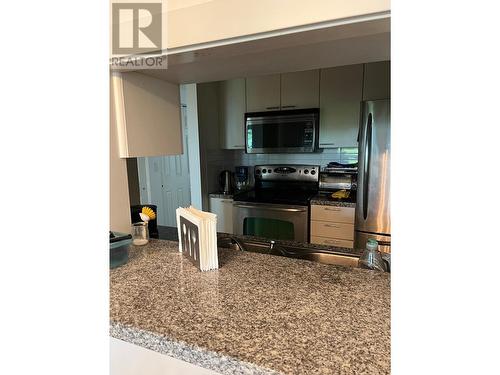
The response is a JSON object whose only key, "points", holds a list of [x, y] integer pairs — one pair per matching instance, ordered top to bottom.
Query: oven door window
{"points": [[268, 228]]}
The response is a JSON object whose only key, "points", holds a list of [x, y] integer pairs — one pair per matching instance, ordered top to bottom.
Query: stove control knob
{"points": [[264, 170], [257, 171], [269, 171], [306, 171], [313, 172]]}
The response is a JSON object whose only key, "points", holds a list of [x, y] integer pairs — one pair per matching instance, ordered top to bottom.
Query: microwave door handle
{"points": [[366, 167]]}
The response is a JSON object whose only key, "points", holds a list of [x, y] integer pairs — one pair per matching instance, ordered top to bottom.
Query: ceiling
{"points": [[345, 44]]}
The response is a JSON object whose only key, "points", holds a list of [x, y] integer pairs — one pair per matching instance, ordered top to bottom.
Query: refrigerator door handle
{"points": [[366, 167]]}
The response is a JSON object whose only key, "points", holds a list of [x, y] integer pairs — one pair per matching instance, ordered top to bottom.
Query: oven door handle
{"points": [[263, 207]]}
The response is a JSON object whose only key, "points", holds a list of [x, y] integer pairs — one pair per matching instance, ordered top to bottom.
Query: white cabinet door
{"points": [[377, 82], [300, 90], [263, 93], [340, 106], [232, 109], [148, 115], [223, 208]]}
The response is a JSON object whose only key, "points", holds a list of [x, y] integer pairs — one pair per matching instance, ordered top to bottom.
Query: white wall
{"points": [[197, 21], [189, 99], [208, 123], [119, 204]]}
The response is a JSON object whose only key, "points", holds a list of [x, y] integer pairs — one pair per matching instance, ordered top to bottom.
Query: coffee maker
{"points": [[241, 177]]}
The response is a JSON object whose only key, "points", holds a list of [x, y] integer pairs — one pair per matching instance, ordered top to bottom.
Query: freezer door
{"points": [[374, 169]]}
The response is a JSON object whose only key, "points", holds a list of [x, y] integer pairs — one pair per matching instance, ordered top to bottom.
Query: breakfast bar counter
{"points": [[257, 314]]}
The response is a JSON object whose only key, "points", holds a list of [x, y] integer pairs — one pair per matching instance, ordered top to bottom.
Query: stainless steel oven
{"points": [[282, 131], [278, 207], [276, 221]]}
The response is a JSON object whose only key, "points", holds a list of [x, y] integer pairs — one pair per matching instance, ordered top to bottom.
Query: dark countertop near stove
{"points": [[325, 199]]}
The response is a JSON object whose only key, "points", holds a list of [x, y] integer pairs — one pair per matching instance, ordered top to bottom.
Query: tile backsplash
{"points": [[340, 155], [218, 160]]}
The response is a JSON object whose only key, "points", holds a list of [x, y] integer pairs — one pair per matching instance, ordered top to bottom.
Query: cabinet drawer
{"points": [[333, 213], [341, 231], [332, 242]]}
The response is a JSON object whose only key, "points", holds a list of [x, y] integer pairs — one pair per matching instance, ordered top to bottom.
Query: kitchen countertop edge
{"points": [[183, 351]]}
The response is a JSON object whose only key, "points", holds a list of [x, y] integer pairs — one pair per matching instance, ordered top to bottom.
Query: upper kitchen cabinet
{"points": [[377, 82], [300, 90], [263, 93], [340, 105], [232, 110], [148, 117]]}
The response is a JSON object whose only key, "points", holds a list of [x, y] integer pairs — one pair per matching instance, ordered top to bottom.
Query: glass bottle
{"points": [[372, 258]]}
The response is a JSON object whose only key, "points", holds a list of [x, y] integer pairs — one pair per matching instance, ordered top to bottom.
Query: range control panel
{"points": [[287, 172]]}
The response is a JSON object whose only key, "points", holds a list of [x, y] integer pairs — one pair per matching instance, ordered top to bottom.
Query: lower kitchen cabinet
{"points": [[223, 208], [331, 225]]}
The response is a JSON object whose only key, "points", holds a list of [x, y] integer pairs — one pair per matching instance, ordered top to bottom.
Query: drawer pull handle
{"points": [[333, 209], [331, 226]]}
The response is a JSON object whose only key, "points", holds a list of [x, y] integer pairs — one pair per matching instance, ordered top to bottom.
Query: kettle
{"points": [[226, 182]]}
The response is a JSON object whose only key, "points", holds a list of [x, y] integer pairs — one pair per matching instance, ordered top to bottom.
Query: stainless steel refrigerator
{"points": [[373, 208]]}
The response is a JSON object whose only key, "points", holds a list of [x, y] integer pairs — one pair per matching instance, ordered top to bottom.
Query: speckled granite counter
{"points": [[326, 200], [258, 314]]}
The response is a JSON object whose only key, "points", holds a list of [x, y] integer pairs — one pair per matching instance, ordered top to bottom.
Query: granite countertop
{"points": [[325, 199], [257, 314]]}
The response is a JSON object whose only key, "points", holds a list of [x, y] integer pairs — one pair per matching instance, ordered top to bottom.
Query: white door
{"points": [[167, 181], [155, 185]]}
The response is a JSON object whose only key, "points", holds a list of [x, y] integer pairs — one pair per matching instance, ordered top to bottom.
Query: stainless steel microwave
{"points": [[292, 131]]}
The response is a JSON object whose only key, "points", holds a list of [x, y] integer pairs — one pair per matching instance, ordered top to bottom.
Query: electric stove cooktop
{"points": [[285, 184], [276, 196]]}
